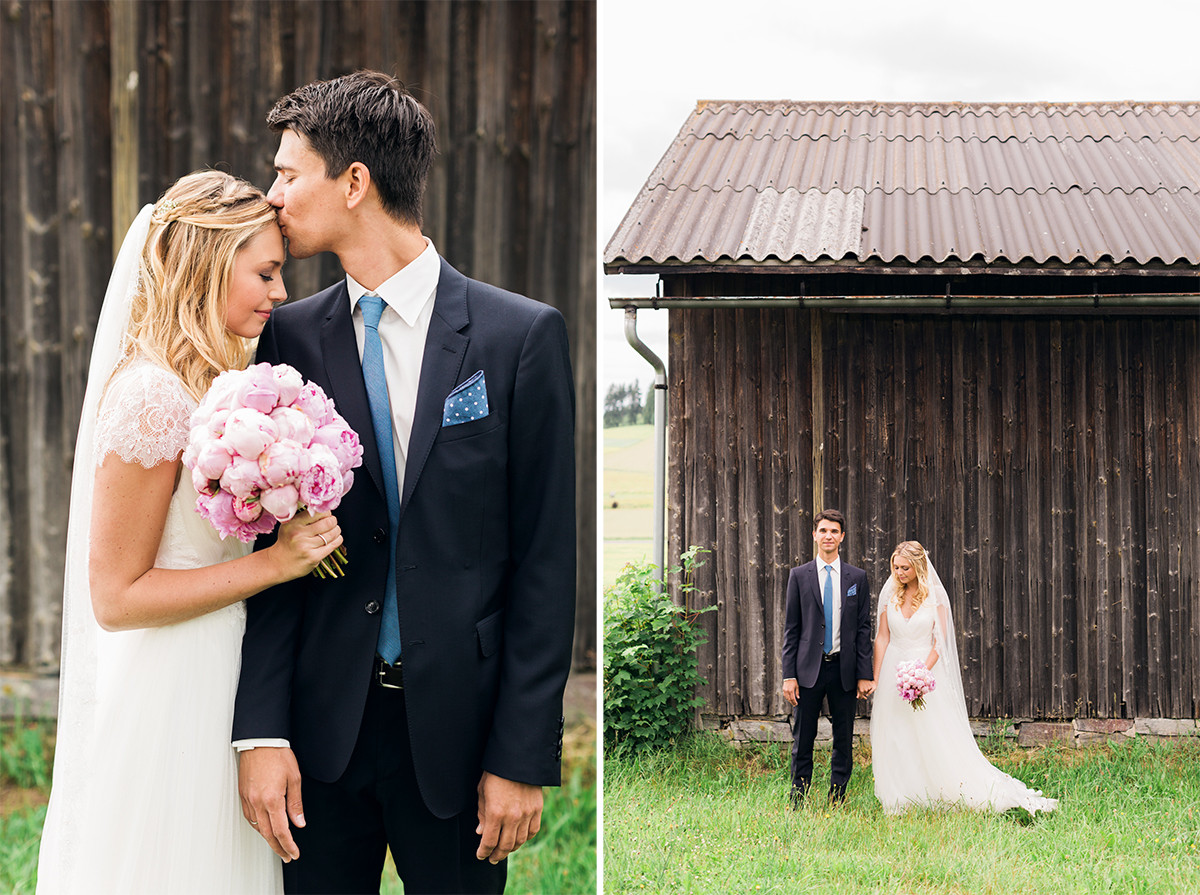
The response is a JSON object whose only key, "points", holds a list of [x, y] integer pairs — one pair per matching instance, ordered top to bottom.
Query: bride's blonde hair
{"points": [[177, 315], [915, 554]]}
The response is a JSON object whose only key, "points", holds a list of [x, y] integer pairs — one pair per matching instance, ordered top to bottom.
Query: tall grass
{"points": [[26, 757], [709, 818], [561, 860]]}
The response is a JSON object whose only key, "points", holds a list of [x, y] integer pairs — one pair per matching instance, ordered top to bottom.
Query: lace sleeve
{"points": [[144, 417]]}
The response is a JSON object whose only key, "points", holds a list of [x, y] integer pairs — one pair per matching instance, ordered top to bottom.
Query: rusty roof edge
{"points": [[857, 107], [779, 137], [1073, 188], [1078, 266]]}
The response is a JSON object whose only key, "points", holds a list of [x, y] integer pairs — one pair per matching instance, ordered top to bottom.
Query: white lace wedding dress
{"points": [[927, 756], [145, 782]]}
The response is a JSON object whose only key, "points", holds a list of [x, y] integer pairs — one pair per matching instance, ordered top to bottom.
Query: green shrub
{"points": [[650, 675]]}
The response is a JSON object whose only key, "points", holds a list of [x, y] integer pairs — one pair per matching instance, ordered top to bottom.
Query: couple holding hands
{"points": [[213, 743], [922, 753]]}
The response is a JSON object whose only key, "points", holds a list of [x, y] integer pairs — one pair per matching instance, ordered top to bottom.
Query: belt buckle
{"points": [[382, 672]]}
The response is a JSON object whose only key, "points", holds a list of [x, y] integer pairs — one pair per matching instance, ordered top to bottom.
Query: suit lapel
{"points": [[445, 348], [343, 369], [815, 580]]}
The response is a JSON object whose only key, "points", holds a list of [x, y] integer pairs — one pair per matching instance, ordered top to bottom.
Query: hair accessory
{"points": [[163, 209]]}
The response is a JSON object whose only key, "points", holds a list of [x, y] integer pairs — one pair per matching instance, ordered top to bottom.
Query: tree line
{"points": [[625, 405]]}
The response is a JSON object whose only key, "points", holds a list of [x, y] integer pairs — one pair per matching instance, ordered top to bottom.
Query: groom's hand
{"points": [[865, 689], [791, 690], [269, 784], [510, 814]]}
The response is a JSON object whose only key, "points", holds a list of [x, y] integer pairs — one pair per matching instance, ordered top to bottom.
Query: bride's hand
{"points": [[304, 541]]}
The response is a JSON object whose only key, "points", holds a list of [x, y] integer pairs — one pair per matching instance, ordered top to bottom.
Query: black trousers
{"points": [[842, 706], [376, 804]]}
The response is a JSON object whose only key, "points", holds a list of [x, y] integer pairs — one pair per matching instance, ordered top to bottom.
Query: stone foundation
{"points": [[1025, 732]]}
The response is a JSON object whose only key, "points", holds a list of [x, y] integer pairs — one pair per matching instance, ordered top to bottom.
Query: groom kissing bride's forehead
{"points": [[415, 703]]}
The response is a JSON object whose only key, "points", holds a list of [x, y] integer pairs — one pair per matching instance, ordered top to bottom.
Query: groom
{"points": [[826, 653], [415, 703]]}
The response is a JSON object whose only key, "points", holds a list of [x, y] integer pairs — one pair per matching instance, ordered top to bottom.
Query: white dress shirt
{"points": [[407, 309], [837, 596]]}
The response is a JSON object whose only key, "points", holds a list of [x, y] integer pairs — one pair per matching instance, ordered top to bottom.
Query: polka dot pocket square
{"points": [[467, 402]]}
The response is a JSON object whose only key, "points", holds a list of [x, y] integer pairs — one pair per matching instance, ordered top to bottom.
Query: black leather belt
{"points": [[830, 657], [388, 676]]}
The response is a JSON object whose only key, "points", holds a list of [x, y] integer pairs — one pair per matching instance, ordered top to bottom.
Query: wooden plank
{"points": [[125, 90], [820, 428]]}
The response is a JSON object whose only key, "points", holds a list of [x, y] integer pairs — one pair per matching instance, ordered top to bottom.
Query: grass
{"points": [[26, 757], [710, 818], [560, 860]]}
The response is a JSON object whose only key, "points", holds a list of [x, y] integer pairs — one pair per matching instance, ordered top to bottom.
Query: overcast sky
{"points": [[658, 57]]}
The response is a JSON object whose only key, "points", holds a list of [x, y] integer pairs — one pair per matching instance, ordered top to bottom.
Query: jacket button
{"points": [[380, 536], [372, 607]]}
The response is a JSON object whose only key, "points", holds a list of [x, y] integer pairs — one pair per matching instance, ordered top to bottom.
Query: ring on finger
{"points": [[324, 543], [254, 823]]}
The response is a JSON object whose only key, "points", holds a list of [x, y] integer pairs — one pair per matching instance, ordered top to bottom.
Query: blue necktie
{"points": [[381, 418], [828, 609]]}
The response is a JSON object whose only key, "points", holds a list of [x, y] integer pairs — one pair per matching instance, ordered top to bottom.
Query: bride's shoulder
{"points": [[140, 373], [144, 415]]}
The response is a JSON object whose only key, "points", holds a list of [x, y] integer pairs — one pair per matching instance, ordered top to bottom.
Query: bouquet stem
{"points": [[332, 566]]}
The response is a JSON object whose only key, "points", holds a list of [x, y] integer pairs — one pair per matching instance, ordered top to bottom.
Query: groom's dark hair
{"points": [[371, 118], [832, 516]]}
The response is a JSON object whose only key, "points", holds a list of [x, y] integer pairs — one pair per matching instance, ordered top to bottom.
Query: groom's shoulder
{"points": [[488, 301], [853, 570]]}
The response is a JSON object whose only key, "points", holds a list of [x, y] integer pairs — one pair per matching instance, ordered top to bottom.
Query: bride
{"points": [[929, 756], [144, 798]]}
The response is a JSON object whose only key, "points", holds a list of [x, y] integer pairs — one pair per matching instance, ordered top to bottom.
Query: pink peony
{"points": [[288, 383], [221, 395], [312, 403], [293, 425], [248, 432], [343, 441], [213, 457], [282, 462], [243, 478], [321, 483], [203, 484], [281, 502], [246, 509]]}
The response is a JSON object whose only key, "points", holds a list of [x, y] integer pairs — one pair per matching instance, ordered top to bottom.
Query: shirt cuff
{"points": [[247, 745]]}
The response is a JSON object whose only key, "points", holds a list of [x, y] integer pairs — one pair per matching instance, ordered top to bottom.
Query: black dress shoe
{"points": [[799, 790], [837, 793]]}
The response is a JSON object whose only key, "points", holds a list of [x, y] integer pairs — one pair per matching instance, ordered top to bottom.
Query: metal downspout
{"points": [[660, 436]]}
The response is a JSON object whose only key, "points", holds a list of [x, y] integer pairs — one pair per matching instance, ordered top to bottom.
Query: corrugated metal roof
{"points": [[744, 182]]}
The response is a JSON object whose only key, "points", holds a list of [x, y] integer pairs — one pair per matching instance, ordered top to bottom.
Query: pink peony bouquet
{"points": [[265, 445], [914, 681]]}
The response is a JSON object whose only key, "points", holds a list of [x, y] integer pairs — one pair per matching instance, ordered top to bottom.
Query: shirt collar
{"points": [[409, 289], [837, 564]]}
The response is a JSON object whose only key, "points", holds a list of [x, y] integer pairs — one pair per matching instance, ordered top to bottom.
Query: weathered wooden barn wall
{"points": [[103, 105], [1049, 464]]}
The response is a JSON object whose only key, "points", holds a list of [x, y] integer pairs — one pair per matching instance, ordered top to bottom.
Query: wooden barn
{"points": [[104, 104], [976, 326]]}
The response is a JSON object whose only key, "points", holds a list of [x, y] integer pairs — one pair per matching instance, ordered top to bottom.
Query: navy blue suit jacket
{"points": [[485, 554], [804, 627]]}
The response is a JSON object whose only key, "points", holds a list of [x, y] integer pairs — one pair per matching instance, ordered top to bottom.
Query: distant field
{"points": [[629, 482]]}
